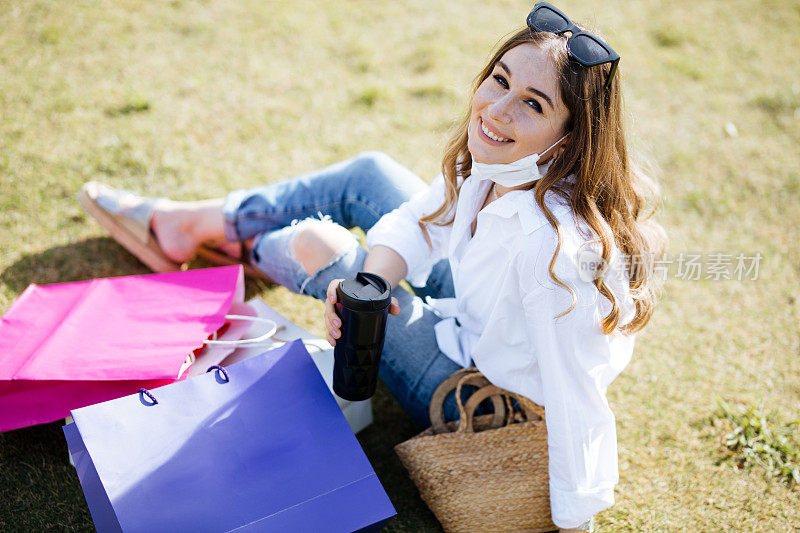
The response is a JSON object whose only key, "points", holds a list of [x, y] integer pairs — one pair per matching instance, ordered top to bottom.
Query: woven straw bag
{"points": [[487, 472]]}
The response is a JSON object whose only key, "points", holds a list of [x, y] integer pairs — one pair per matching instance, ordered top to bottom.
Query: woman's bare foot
{"points": [[181, 227], [233, 249]]}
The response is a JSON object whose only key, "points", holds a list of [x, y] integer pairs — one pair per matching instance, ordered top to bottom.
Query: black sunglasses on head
{"points": [[584, 47]]}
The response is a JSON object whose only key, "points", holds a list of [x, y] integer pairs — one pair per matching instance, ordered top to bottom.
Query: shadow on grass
{"points": [[99, 257], [90, 258], [392, 426], [38, 487]]}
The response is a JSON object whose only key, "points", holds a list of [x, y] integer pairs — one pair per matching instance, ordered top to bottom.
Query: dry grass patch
{"points": [[191, 99]]}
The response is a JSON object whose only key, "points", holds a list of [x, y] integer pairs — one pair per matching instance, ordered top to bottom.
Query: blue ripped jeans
{"points": [[356, 192]]}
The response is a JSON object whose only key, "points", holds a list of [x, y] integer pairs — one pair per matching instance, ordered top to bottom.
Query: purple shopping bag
{"points": [[66, 345], [261, 446]]}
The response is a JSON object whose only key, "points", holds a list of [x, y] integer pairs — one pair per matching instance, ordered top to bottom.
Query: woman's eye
{"points": [[501, 81], [535, 105]]}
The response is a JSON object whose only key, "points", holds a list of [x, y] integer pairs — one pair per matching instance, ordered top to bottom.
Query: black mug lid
{"points": [[365, 292]]}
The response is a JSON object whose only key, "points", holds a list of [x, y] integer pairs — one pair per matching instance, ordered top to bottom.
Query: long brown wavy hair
{"points": [[610, 193]]}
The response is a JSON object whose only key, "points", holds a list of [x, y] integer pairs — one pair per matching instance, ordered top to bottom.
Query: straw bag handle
{"points": [[478, 380], [532, 411], [436, 412]]}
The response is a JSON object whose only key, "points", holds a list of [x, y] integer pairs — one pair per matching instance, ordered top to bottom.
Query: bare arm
{"points": [[381, 260], [387, 263]]}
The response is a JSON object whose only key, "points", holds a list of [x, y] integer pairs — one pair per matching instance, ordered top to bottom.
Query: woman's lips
{"points": [[488, 139]]}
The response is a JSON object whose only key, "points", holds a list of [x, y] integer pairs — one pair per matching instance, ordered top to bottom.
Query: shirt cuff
{"points": [[570, 509]]}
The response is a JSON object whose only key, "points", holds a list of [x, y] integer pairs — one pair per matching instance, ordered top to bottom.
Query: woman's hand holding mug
{"points": [[333, 322]]}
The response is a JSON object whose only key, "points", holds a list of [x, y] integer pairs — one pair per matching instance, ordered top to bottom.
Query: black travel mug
{"points": [[362, 304]]}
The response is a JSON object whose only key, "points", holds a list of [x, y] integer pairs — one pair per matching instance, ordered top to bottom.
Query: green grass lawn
{"points": [[193, 99]]}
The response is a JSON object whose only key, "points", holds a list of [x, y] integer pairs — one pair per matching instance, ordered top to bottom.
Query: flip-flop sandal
{"points": [[126, 216], [218, 257]]}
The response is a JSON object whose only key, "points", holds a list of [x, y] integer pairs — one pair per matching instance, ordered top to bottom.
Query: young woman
{"points": [[531, 249]]}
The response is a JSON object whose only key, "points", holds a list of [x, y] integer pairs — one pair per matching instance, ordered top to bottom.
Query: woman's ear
{"points": [[558, 150]]}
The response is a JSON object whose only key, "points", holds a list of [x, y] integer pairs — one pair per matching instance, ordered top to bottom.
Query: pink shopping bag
{"points": [[68, 345]]}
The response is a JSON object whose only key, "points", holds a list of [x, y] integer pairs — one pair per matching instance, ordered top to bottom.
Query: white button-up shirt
{"points": [[502, 320]]}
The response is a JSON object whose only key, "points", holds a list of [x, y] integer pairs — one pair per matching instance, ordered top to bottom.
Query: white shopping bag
{"points": [[358, 414]]}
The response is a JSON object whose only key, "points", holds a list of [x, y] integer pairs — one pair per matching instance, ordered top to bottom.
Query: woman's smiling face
{"points": [[517, 110]]}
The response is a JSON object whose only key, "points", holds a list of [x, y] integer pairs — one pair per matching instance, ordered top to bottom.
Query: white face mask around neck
{"points": [[513, 174]]}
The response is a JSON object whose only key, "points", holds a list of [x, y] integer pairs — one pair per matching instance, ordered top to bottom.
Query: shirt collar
{"points": [[522, 204]]}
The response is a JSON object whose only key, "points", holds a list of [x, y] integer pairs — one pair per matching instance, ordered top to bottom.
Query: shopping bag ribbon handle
{"points": [[243, 342], [218, 368], [145, 392]]}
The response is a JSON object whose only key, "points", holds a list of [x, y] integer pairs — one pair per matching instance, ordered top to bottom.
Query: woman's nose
{"points": [[500, 109]]}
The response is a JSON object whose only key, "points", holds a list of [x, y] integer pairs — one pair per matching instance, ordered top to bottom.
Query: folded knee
{"points": [[373, 158], [376, 167], [377, 171], [316, 243]]}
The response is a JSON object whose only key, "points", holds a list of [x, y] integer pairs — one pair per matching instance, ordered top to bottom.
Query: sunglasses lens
{"points": [[545, 19], [588, 51]]}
